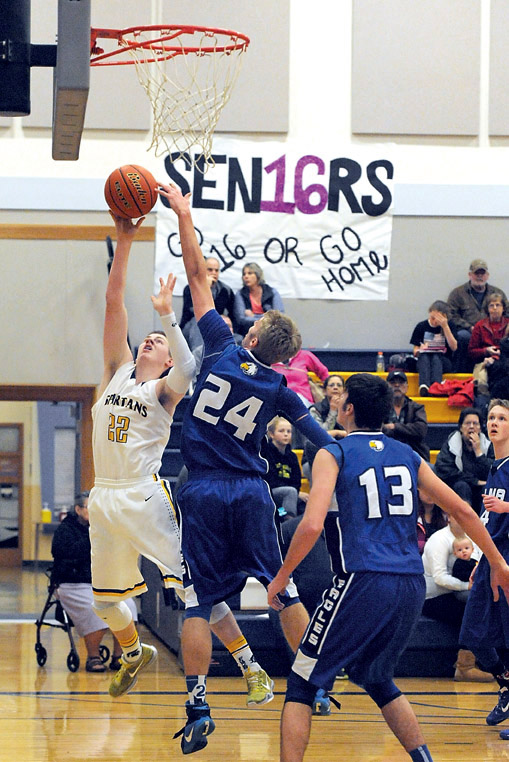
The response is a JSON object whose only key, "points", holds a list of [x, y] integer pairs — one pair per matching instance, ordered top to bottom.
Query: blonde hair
{"points": [[278, 338], [272, 426], [463, 538]]}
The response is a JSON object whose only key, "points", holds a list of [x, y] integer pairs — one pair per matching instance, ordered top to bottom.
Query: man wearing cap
{"points": [[468, 306], [408, 422]]}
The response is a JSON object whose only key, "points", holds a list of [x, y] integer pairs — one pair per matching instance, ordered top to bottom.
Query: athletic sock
{"points": [[131, 648], [239, 649], [501, 676], [196, 688], [421, 754]]}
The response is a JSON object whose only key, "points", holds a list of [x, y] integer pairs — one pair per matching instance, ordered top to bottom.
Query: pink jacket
{"points": [[296, 372]]}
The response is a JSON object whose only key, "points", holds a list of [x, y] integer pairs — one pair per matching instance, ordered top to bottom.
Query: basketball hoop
{"points": [[188, 73]]}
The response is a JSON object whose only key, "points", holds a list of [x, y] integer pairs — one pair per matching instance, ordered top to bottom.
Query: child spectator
{"points": [[434, 342], [484, 344], [284, 475], [464, 565]]}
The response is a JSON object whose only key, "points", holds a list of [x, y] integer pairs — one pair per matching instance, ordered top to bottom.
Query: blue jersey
{"points": [[235, 399], [497, 484], [375, 525]]}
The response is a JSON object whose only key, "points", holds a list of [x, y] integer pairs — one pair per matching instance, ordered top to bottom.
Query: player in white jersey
{"points": [[131, 508]]}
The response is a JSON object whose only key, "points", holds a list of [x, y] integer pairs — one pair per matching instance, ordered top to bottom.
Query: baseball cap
{"points": [[478, 264], [394, 374]]}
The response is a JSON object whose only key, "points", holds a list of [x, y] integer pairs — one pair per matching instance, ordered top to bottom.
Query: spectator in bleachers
{"points": [[254, 298], [223, 302], [468, 306], [434, 342], [484, 344], [296, 369], [325, 412], [408, 422], [465, 459], [284, 475], [431, 516], [463, 549], [72, 575], [446, 595]]}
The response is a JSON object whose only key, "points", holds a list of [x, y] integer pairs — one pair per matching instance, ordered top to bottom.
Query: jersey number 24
{"points": [[241, 416]]}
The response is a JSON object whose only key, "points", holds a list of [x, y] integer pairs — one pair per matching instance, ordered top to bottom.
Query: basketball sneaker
{"points": [[127, 675], [259, 688], [501, 711], [199, 725], [504, 734]]}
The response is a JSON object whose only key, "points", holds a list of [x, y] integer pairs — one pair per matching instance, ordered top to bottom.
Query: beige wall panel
{"points": [[415, 67], [499, 68], [259, 102], [53, 297]]}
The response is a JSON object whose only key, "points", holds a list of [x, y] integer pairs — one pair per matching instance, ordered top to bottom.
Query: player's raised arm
{"points": [[194, 262], [115, 347], [171, 389]]}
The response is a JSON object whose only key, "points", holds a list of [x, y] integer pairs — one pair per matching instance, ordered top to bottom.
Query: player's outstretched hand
{"points": [[173, 194], [126, 228], [163, 302], [278, 585]]}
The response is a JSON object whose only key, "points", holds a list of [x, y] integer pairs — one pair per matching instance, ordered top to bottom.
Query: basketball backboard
{"points": [[70, 58], [71, 78]]}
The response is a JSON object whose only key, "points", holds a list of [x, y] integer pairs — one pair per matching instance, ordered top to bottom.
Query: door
{"points": [[11, 493]]}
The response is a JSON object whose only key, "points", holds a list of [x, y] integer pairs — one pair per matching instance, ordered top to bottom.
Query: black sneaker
{"points": [[199, 725]]}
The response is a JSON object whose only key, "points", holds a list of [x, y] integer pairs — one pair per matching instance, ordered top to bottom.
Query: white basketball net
{"points": [[188, 84]]}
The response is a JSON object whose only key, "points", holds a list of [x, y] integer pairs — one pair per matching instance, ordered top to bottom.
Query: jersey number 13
{"points": [[402, 486]]}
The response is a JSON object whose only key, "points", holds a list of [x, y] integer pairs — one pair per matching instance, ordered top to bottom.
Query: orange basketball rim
{"points": [[188, 73]]}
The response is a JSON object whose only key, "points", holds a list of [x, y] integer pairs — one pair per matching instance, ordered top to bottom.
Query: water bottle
{"points": [[380, 362], [45, 514]]}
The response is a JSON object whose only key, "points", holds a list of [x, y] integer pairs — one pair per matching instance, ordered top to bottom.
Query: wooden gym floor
{"points": [[52, 715]]}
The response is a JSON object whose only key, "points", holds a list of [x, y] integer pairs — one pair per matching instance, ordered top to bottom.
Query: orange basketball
{"points": [[130, 191]]}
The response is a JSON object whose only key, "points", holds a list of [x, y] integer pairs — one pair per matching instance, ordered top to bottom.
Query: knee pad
{"points": [[219, 611], [116, 615], [299, 690], [382, 693]]}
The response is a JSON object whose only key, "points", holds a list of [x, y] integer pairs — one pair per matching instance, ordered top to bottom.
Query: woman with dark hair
{"points": [[254, 298], [434, 342], [325, 412], [465, 459]]}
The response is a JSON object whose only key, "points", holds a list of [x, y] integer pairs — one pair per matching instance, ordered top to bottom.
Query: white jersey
{"points": [[131, 428]]}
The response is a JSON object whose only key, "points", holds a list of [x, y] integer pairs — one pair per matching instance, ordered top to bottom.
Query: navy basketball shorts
{"points": [[228, 534], [485, 623], [362, 625]]}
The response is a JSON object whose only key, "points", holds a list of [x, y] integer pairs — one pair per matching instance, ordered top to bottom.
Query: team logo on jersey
{"points": [[249, 368], [375, 444]]}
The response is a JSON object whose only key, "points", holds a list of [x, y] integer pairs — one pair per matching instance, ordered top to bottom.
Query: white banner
{"points": [[318, 224]]}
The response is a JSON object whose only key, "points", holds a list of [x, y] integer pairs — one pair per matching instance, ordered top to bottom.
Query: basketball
{"points": [[130, 191]]}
